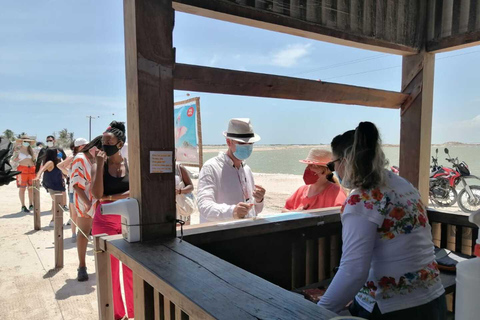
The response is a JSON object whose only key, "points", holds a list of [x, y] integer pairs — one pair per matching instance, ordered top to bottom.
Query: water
{"points": [[284, 160]]}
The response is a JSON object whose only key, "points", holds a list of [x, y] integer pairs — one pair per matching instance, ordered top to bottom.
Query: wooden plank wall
{"points": [[394, 21], [452, 24]]}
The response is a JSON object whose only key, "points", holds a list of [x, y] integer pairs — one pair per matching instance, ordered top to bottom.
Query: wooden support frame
{"points": [[249, 16], [149, 66], [223, 81], [416, 120], [58, 230]]}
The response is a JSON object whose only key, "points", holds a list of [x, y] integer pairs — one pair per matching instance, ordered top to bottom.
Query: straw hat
{"points": [[240, 129], [25, 138], [80, 142], [318, 156]]}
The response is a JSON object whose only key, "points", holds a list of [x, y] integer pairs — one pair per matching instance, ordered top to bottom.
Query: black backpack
{"points": [[7, 175]]}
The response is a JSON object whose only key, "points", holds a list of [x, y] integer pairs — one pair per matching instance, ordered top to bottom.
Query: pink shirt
{"points": [[331, 196]]}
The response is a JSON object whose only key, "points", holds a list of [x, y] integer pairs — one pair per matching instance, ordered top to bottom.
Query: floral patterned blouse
{"points": [[403, 272]]}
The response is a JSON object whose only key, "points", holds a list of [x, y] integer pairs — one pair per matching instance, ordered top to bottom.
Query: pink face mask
{"points": [[309, 177]]}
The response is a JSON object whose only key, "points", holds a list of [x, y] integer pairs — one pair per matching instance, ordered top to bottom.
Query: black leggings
{"points": [[434, 310]]}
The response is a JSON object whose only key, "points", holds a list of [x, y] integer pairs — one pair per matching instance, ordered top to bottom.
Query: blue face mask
{"points": [[25, 143], [243, 151]]}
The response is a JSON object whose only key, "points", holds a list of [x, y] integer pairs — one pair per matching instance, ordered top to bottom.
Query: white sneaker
{"points": [[51, 224], [74, 237]]}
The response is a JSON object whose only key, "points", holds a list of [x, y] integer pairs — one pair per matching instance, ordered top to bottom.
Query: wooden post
{"points": [[150, 60], [416, 120], [200, 135], [36, 205], [58, 230], [104, 276], [143, 299]]}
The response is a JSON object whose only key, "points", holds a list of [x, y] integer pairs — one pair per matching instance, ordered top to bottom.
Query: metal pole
{"points": [[89, 128]]}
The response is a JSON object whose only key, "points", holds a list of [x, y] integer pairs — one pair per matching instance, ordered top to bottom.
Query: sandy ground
{"points": [[30, 286], [32, 289]]}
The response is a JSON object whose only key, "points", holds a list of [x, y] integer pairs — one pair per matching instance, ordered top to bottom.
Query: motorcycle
{"points": [[441, 191], [469, 197]]}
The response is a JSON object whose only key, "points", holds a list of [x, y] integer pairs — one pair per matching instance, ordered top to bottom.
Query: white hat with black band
{"points": [[240, 129]]}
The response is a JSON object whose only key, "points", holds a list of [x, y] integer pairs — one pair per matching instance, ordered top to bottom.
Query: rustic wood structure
{"points": [[182, 279]]}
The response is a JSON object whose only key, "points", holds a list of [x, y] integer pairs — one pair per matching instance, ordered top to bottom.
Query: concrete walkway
{"points": [[30, 286]]}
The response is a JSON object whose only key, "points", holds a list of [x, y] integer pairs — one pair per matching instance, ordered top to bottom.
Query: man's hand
{"points": [[259, 193], [241, 210]]}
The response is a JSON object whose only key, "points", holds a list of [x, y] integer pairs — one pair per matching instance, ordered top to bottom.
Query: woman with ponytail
{"points": [[111, 183], [388, 264]]}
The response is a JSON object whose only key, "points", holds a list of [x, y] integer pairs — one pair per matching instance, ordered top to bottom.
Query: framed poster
{"points": [[188, 132]]}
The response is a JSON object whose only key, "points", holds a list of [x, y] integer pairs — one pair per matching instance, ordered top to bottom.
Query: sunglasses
{"points": [[49, 140], [331, 164]]}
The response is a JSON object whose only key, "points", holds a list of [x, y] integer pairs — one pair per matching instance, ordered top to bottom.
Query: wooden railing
{"points": [[453, 231], [290, 250], [234, 270], [175, 280]]}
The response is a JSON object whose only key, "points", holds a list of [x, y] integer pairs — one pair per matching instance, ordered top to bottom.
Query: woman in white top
{"points": [[25, 157], [388, 265]]}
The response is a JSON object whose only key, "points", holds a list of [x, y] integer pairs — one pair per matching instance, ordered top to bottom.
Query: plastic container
{"points": [[467, 306]]}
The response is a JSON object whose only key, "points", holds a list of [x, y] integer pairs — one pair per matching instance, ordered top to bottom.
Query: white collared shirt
{"points": [[221, 187]]}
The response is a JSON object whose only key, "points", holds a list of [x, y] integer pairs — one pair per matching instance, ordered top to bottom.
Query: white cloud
{"points": [[289, 56], [60, 98]]}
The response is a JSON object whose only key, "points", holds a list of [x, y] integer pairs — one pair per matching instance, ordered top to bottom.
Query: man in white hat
{"points": [[226, 189]]}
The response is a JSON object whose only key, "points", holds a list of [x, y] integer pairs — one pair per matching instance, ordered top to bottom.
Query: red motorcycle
{"points": [[442, 189], [469, 197]]}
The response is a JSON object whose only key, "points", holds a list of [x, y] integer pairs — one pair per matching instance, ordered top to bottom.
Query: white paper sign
{"points": [[161, 161]]}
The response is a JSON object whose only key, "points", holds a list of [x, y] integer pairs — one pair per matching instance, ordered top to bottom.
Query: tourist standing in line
{"points": [[51, 143], [25, 157], [66, 167], [52, 177], [81, 181], [111, 183], [226, 188], [320, 189], [388, 264]]}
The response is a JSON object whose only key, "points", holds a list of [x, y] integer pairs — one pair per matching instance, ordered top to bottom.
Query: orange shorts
{"points": [[25, 178]]}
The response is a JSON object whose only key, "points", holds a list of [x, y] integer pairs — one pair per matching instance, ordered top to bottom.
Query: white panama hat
{"points": [[240, 129], [80, 142]]}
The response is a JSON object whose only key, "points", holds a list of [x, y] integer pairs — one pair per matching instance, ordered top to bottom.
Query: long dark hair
{"points": [[96, 142], [51, 155], [363, 155]]}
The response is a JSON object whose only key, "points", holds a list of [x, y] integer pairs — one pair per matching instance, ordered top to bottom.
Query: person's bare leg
{"points": [[21, 194], [30, 195], [73, 216], [85, 224]]}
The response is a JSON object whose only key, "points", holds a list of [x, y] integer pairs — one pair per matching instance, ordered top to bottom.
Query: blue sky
{"points": [[61, 61]]}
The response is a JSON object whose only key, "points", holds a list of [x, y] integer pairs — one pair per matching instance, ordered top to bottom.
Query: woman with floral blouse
{"points": [[388, 264]]}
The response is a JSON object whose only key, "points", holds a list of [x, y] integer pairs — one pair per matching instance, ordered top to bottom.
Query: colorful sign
{"points": [[188, 140]]}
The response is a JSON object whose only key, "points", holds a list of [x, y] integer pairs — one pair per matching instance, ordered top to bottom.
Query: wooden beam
{"points": [[232, 12], [455, 42], [149, 66], [223, 81], [416, 121]]}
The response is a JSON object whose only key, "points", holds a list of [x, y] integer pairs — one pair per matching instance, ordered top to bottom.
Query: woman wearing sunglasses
{"points": [[320, 189], [388, 264]]}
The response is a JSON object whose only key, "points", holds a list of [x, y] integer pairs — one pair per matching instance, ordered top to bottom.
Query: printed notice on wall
{"points": [[161, 161]]}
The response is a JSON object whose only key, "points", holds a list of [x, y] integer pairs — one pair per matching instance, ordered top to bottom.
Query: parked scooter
{"points": [[469, 197]]}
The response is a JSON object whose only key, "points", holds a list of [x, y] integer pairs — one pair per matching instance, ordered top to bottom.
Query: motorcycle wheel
{"points": [[450, 201], [469, 204]]}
